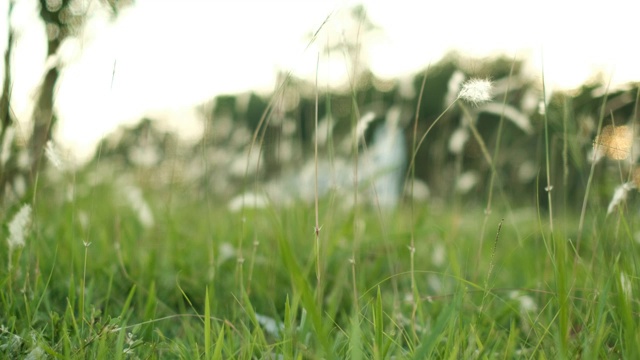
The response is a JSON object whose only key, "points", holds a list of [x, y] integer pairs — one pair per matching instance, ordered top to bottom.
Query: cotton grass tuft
{"points": [[476, 91], [614, 141], [53, 155], [619, 196], [136, 201], [18, 227]]}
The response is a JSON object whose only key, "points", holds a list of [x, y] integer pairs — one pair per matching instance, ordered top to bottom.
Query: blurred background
{"points": [[199, 81]]}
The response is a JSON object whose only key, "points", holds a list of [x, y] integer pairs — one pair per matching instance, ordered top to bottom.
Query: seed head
{"points": [[476, 91], [614, 141], [52, 154], [619, 196], [18, 227]]}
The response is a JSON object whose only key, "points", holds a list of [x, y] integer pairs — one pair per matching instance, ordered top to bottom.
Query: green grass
{"points": [[473, 276], [171, 291]]}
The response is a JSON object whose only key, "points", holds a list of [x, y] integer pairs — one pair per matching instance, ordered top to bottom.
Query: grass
{"points": [[321, 281], [172, 291]]}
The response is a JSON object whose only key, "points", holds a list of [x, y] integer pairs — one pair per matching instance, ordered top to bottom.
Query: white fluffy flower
{"points": [[453, 87], [476, 91], [363, 124], [458, 139], [52, 154], [466, 182], [619, 196], [135, 199], [18, 227], [526, 303]]}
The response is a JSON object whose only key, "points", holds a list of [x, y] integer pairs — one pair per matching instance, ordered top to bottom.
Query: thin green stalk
{"points": [[355, 116], [262, 124], [424, 136], [478, 138], [255, 140], [547, 151], [591, 171], [207, 198], [487, 211], [317, 212], [356, 229], [384, 234], [86, 242], [256, 242], [412, 246], [252, 261], [491, 266], [84, 281], [563, 291], [207, 325]]}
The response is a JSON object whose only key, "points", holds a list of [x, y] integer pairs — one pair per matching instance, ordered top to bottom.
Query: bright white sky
{"points": [[175, 54]]}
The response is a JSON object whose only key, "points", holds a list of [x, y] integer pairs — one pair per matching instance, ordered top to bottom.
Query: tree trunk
{"points": [[57, 22], [6, 115], [43, 119]]}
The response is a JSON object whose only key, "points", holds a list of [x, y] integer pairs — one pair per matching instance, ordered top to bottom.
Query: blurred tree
{"points": [[62, 18], [6, 115]]}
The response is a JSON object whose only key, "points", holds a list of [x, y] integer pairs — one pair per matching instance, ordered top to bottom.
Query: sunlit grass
{"points": [[139, 266], [158, 292]]}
